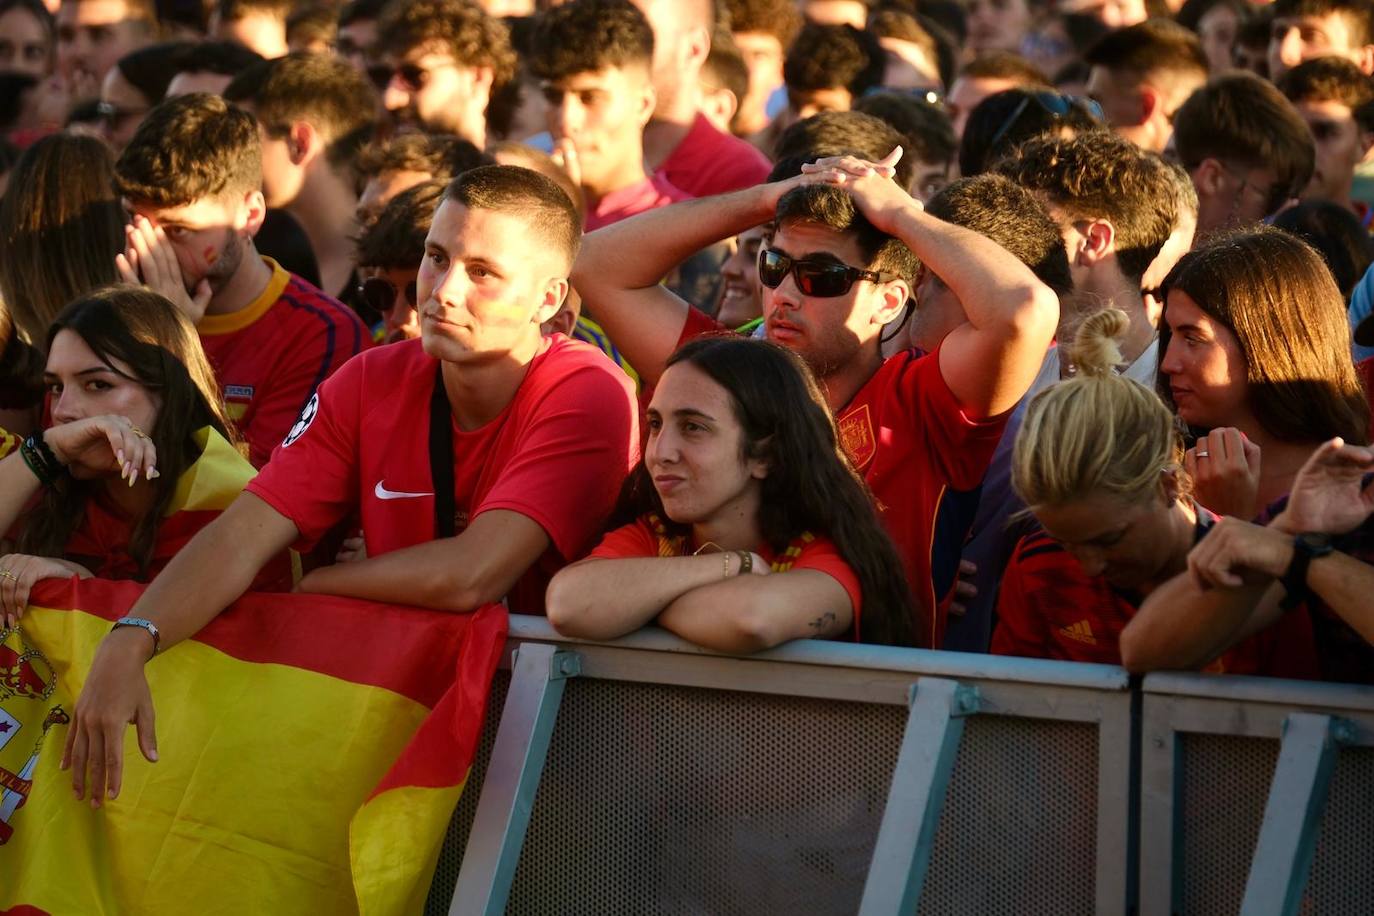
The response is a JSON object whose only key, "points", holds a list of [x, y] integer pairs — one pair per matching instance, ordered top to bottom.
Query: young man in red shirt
{"points": [[191, 179], [842, 264], [481, 457]]}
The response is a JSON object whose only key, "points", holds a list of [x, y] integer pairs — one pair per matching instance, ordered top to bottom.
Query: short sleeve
{"points": [[961, 447], [565, 470], [312, 476], [636, 539], [822, 556], [1019, 630]]}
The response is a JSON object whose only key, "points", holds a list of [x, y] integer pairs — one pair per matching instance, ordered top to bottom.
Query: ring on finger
{"points": [[137, 432], [1203, 454], [6, 574]]}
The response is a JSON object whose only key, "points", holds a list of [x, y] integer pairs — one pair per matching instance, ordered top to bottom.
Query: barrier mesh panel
{"points": [[1226, 784], [660, 799], [1019, 830]]}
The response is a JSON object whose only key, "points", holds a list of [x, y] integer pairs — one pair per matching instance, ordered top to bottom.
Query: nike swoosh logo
{"points": [[382, 492]]}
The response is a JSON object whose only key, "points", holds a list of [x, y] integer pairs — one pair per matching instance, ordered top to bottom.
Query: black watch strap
{"points": [[1306, 548]]}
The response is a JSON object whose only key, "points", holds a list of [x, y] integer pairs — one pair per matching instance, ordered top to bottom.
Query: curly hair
{"points": [[778, 18], [589, 35], [474, 38], [834, 56], [188, 148], [437, 155], [1100, 175], [396, 240]]}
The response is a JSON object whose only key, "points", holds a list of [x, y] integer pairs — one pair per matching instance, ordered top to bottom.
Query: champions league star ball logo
{"points": [[307, 417]]}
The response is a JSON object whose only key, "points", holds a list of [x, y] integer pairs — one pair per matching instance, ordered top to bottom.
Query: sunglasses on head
{"points": [[1054, 103], [822, 279], [380, 293]]}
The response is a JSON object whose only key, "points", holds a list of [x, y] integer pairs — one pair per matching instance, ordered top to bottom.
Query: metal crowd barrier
{"points": [[649, 776]]}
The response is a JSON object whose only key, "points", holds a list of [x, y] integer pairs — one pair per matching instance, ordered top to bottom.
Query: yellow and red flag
{"points": [[311, 751]]}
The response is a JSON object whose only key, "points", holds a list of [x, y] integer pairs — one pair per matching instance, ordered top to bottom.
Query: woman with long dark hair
{"points": [[1255, 356], [139, 457], [744, 525]]}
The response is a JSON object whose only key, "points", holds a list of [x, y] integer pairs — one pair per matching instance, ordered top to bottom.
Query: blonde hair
{"points": [[1096, 433]]}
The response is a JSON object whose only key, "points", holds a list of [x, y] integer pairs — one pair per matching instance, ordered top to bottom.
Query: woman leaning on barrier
{"points": [[138, 458], [1098, 462], [744, 526]]}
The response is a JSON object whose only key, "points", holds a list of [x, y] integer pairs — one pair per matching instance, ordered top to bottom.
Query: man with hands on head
{"points": [[191, 179], [850, 249], [540, 430], [1242, 577]]}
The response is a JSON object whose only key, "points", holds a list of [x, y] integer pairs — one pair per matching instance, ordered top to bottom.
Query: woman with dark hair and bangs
{"points": [[1255, 357], [96, 494], [744, 525]]}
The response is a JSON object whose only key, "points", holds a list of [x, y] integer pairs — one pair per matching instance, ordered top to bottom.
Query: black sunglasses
{"points": [[413, 77], [1054, 103], [823, 279], [380, 293]]}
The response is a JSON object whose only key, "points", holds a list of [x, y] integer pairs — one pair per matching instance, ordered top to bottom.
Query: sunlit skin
{"points": [[1217, 30], [258, 31], [92, 35], [1294, 39], [25, 46], [763, 55], [908, 66], [187, 82], [966, 93], [451, 99], [802, 105], [602, 113], [381, 188], [202, 236], [481, 289], [740, 300], [830, 333], [1205, 367], [81, 385], [695, 457], [1134, 546]]}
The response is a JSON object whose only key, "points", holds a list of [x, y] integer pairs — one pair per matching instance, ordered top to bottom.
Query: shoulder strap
{"points": [[441, 457]]}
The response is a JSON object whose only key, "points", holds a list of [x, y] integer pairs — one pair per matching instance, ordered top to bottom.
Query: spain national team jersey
{"points": [[271, 356], [556, 454], [924, 461], [648, 537], [1049, 608]]}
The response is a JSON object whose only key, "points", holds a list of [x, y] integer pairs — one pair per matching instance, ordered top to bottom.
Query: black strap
{"points": [[441, 458]]}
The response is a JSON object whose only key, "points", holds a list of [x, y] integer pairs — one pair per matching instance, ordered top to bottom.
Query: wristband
{"points": [[40, 459], [1306, 548], [746, 562], [141, 623]]}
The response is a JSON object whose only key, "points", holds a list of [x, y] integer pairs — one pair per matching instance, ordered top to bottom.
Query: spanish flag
{"points": [[311, 751]]}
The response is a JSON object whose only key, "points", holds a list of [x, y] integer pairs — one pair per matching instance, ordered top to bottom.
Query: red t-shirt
{"points": [[708, 162], [654, 191], [271, 356], [557, 454], [923, 459], [647, 537], [1049, 608]]}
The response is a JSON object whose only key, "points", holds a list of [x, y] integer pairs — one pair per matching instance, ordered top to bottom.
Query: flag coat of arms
{"points": [[311, 751]]}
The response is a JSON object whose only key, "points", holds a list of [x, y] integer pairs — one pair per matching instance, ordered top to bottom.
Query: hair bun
{"points": [[1096, 348]]}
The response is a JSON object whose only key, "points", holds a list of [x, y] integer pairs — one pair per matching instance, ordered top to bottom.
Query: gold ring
{"points": [[138, 432], [9, 575]]}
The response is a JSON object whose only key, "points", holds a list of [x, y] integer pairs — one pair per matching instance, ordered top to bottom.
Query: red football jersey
{"points": [[708, 161], [271, 356], [557, 454], [923, 459], [647, 537], [1049, 608]]}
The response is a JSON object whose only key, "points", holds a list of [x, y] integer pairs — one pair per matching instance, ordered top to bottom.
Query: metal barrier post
{"points": [[930, 744], [517, 763], [1292, 815]]}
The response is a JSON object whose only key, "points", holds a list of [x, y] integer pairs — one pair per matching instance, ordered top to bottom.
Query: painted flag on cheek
{"points": [[311, 751]]}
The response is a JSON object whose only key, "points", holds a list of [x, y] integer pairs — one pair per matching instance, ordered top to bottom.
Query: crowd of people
{"points": [[1000, 327]]}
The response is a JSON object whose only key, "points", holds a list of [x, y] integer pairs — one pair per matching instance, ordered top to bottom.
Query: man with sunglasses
{"points": [[443, 62], [849, 251], [389, 254]]}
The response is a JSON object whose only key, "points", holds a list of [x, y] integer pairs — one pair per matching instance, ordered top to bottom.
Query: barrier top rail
{"points": [[919, 662], [1238, 689]]}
